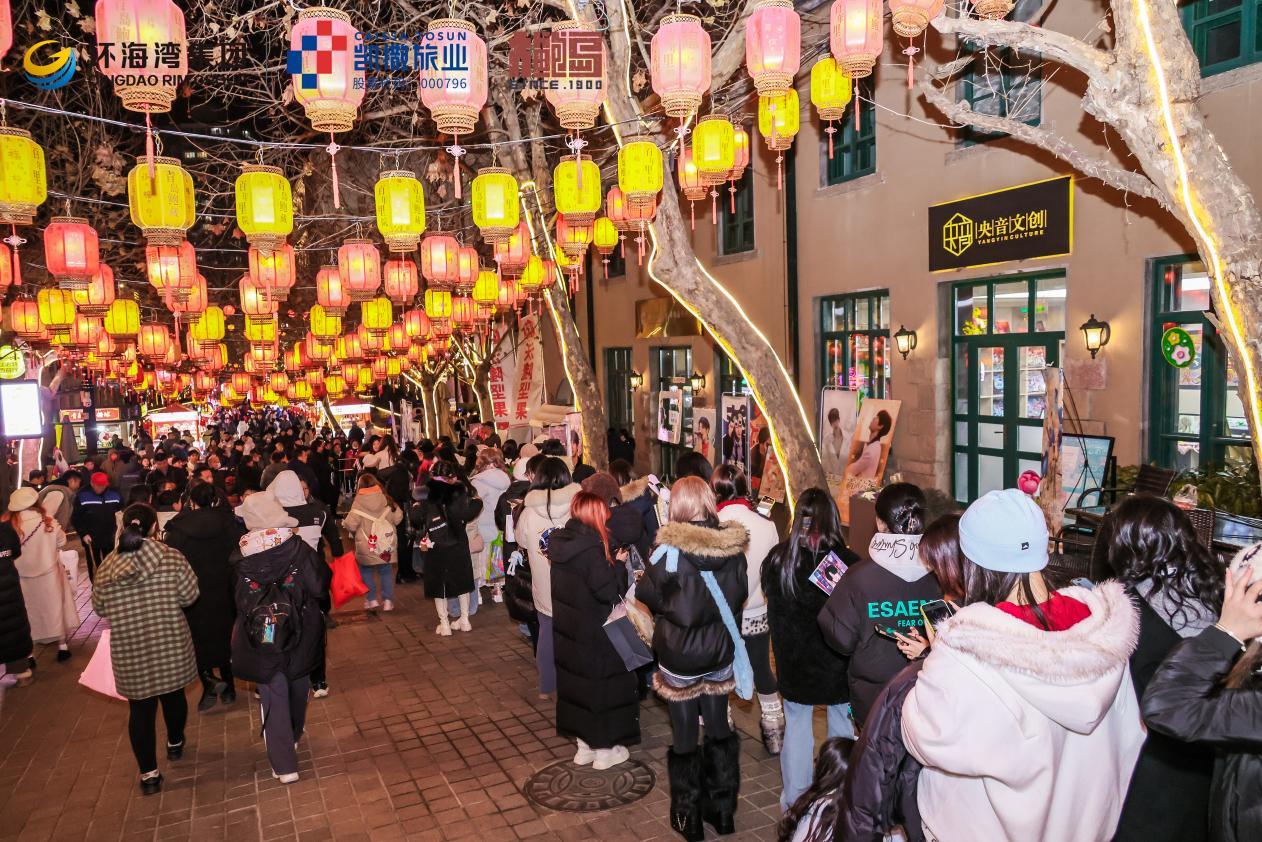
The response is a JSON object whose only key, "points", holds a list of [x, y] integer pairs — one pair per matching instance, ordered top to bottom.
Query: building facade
{"points": [[831, 266]]}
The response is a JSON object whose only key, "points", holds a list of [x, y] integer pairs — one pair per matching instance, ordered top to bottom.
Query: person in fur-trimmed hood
{"points": [[696, 651], [1024, 714]]}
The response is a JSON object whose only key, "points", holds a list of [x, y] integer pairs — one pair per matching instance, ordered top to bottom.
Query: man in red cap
{"points": [[93, 518]]}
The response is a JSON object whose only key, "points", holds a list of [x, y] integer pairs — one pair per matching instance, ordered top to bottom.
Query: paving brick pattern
{"points": [[422, 738]]}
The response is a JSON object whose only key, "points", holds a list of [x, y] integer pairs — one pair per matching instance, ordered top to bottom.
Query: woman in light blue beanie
{"points": [[1024, 702]]}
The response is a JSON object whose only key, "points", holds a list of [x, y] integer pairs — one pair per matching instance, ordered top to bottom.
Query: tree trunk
{"points": [[582, 380]]}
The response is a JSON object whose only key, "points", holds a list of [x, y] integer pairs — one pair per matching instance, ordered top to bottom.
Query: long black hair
{"points": [[550, 475], [901, 507], [139, 520], [815, 524], [1153, 543], [830, 774]]}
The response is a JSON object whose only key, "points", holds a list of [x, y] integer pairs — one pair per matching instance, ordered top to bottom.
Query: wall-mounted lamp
{"points": [[1096, 333], [905, 340], [635, 379], [696, 381]]}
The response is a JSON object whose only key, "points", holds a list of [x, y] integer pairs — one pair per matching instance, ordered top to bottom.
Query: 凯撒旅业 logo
{"points": [[48, 65]]}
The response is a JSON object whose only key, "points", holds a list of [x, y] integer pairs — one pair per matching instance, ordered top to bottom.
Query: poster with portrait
{"points": [[670, 416], [838, 417], [734, 423], [704, 428], [560, 432], [574, 436], [869, 450], [761, 452], [771, 484]]}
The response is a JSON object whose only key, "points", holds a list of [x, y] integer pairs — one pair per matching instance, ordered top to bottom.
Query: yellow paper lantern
{"points": [[831, 89], [779, 120], [713, 149], [641, 171], [23, 185], [576, 190], [400, 202], [265, 206], [163, 207], [496, 208], [604, 235], [532, 277], [486, 290], [437, 305], [56, 309], [376, 315], [123, 318], [324, 324], [209, 327], [261, 329], [335, 385]]}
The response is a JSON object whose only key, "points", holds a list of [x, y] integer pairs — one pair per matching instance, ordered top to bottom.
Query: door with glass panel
{"points": [[1006, 332], [855, 342]]}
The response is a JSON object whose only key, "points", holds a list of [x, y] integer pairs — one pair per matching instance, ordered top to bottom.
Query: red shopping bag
{"points": [[347, 583]]}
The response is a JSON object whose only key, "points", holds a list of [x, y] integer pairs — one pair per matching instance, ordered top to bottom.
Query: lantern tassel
{"points": [[910, 52], [858, 111], [831, 131], [332, 149], [149, 157], [455, 169], [780, 172], [732, 192], [714, 207], [692, 212], [14, 241], [606, 262]]}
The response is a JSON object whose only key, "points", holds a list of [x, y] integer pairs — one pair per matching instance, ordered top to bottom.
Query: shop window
{"points": [[1225, 34], [1002, 83], [854, 151], [737, 228], [855, 342], [671, 367], [731, 381], [618, 391], [1196, 415]]}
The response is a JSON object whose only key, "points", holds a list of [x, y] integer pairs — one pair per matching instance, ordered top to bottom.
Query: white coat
{"points": [[537, 517], [762, 540], [50, 605], [1027, 734]]}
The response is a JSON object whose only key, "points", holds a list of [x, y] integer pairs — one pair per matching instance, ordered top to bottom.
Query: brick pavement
{"points": [[422, 738]]}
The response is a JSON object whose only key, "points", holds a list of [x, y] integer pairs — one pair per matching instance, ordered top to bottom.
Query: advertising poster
{"points": [[528, 386], [20, 409], [670, 416], [838, 418], [704, 428], [735, 430], [574, 436], [761, 451], [869, 451]]}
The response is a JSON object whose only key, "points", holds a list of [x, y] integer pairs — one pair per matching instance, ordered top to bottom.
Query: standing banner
{"points": [[501, 379], [529, 386], [704, 428], [735, 430]]}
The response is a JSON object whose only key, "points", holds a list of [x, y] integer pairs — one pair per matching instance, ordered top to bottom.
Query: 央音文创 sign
{"points": [[1019, 223]]}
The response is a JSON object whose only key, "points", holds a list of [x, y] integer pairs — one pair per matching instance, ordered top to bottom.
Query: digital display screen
{"points": [[19, 409]]}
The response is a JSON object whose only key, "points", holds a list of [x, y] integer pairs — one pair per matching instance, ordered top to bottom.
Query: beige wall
{"points": [[870, 233]]}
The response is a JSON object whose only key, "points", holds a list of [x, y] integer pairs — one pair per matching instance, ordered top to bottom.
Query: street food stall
{"points": [[351, 409], [176, 416], [110, 421]]}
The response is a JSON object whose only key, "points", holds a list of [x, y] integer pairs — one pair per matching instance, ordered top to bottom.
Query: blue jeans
{"points": [[380, 581], [453, 605], [545, 657], [797, 758]]}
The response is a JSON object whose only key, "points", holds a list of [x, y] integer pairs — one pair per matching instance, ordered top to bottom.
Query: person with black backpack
{"points": [[440, 522], [278, 639]]}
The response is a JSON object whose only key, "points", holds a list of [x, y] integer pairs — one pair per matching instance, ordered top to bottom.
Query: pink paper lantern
{"points": [[910, 17], [6, 27], [855, 29], [773, 46], [680, 64], [322, 66], [149, 89], [454, 90], [576, 99], [440, 256]]}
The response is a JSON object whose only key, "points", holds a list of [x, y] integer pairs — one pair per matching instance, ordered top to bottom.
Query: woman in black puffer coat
{"points": [[439, 523], [15, 630], [696, 652], [1208, 691], [597, 702]]}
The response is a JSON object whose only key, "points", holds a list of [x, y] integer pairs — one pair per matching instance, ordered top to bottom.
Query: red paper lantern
{"points": [[72, 251], [440, 258], [359, 262], [276, 271], [401, 281], [331, 291], [95, 299], [416, 324], [153, 340]]}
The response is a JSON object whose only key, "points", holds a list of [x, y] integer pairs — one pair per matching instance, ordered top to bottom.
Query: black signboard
{"points": [[1019, 223]]}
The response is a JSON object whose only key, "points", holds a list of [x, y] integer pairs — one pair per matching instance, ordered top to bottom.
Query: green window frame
{"points": [[1225, 34], [1003, 83], [854, 152], [736, 230], [854, 331], [1004, 331], [671, 366], [731, 381], [619, 396], [1194, 415]]}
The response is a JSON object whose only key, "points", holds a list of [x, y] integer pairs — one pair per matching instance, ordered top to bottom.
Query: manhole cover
{"points": [[570, 788]]}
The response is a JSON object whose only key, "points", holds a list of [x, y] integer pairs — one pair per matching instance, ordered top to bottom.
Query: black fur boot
{"points": [[684, 771], [720, 782]]}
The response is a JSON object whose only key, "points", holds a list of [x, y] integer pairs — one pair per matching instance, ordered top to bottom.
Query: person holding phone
{"points": [[940, 552], [880, 598], [811, 674], [1208, 691], [1023, 715]]}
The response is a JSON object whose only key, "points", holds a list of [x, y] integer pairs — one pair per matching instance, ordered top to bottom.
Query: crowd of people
{"points": [[968, 695]]}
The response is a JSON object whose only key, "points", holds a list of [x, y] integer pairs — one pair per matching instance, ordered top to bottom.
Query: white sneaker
{"points": [[497, 595], [371, 605], [387, 606], [463, 624], [443, 630], [321, 691], [585, 755], [607, 758], [290, 778]]}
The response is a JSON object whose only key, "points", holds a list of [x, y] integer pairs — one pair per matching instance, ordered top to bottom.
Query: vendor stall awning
{"points": [[549, 413]]}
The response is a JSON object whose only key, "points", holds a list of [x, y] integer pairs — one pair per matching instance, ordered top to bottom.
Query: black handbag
{"points": [[519, 597]]}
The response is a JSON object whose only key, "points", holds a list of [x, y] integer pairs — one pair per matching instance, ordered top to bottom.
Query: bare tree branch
{"points": [[1059, 47]]}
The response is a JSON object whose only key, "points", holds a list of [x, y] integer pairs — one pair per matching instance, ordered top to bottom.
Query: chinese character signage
{"points": [[565, 60], [1020, 223]]}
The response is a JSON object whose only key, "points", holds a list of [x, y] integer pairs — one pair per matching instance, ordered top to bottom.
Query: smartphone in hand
{"points": [[934, 612]]}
